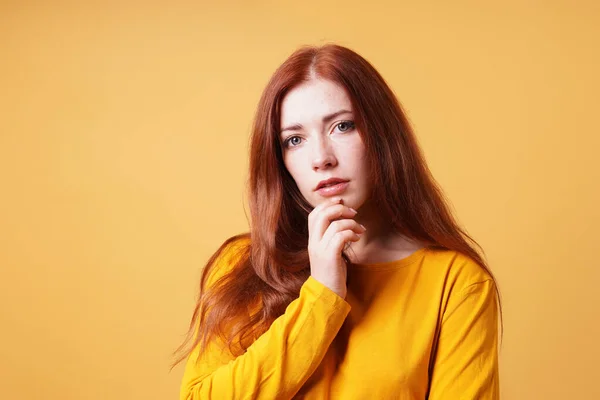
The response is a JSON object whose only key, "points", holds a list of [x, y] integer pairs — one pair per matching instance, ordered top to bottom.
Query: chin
{"points": [[348, 201], [353, 202]]}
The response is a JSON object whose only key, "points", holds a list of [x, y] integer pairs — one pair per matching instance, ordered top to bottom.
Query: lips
{"points": [[330, 182], [333, 189]]}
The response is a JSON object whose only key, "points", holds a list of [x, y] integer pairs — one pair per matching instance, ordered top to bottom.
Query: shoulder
{"points": [[233, 246], [227, 256], [457, 270], [458, 280]]}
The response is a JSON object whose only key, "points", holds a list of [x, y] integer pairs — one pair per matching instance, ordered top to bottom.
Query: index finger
{"points": [[326, 203], [320, 206]]}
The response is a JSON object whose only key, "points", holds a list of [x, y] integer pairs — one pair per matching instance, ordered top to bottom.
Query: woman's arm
{"points": [[466, 359], [280, 361]]}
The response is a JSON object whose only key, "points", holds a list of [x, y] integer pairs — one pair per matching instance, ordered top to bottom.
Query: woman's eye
{"points": [[345, 126], [290, 141]]}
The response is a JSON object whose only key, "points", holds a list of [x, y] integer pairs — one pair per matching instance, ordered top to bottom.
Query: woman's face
{"points": [[319, 141]]}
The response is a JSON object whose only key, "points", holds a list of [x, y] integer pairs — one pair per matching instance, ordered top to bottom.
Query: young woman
{"points": [[355, 281]]}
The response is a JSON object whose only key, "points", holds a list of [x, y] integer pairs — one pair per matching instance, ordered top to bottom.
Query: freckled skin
{"points": [[316, 150]]}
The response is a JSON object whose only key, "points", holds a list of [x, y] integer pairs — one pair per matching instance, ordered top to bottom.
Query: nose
{"points": [[323, 156]]}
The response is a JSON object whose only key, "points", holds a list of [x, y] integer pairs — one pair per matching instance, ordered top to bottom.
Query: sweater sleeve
{"points": [[466, 360], [280, 361]]}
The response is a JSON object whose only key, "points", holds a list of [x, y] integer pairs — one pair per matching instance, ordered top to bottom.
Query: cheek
{"points": [[358, 154], [361, 164], [297, 170]]}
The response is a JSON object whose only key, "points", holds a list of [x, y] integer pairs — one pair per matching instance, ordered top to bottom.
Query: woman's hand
{"points": [[330, 227]]}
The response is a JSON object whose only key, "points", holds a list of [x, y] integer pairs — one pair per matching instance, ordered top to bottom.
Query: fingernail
{"points": [[353, 210], [363, 227]]}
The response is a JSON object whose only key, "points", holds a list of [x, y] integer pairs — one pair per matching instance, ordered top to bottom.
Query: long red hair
{"points": [[273, 263]]}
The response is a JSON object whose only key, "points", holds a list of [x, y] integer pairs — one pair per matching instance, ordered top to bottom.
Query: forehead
{"points": [[311, 100]]}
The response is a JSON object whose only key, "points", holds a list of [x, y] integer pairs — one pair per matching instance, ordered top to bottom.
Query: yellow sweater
{"points": [[423, 327]]}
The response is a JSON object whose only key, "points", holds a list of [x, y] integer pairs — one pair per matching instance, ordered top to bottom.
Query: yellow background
{"points": [[123, 153]]}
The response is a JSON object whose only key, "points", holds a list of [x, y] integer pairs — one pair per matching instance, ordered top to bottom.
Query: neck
{"points": [[377, 228], [380, 242]]}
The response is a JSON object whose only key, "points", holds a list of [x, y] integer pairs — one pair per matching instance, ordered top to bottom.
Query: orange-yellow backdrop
{"points": [[123, 153]]}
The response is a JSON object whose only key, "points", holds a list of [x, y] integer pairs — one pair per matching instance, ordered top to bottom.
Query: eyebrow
{"points": [[326, 119]]}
